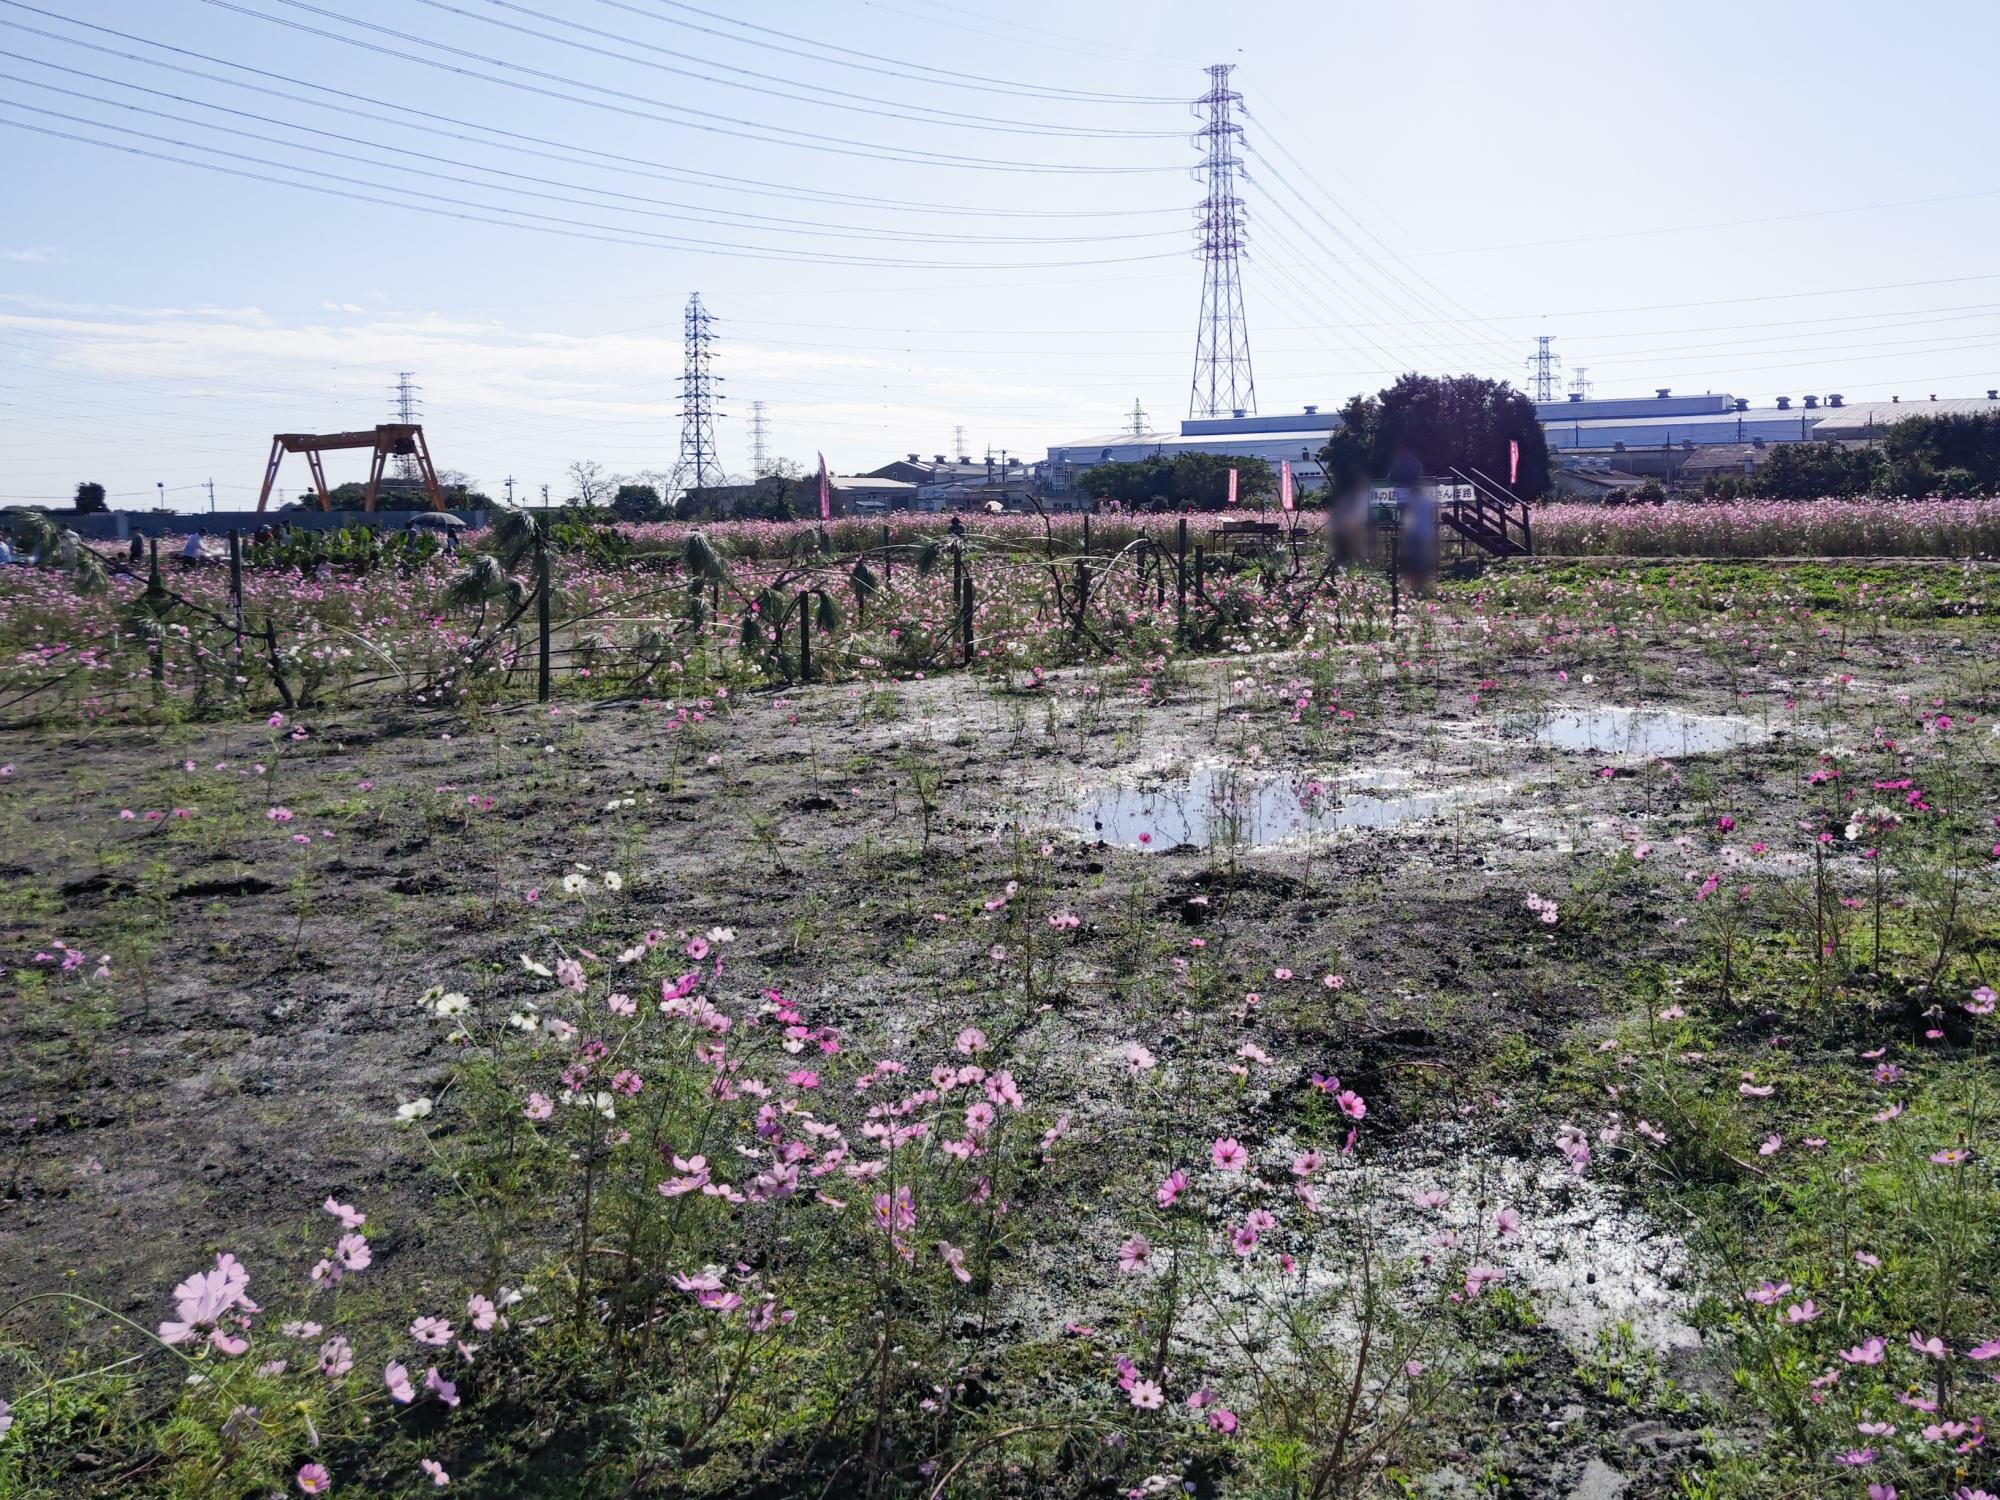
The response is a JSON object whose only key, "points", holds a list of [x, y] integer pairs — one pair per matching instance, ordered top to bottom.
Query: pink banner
{"points": [[1513, 462], [1285, 483], [1232, 486], [825, 492]]}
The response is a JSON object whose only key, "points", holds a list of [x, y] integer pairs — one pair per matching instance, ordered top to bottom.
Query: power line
{"points": [[875, 64], [294, 86], [577, 91], [819, 94], [429, 203], [766, 223]]}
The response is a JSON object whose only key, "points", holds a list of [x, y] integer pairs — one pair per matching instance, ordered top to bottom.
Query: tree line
{"points": [[1443, 424], [1950, 454]]}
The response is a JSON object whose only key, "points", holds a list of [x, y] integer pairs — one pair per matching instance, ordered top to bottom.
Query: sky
{"points": [[229, 218]]}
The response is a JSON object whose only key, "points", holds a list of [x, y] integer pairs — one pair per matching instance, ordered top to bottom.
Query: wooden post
{"points": [[1086, 533], [886, 565], [1200, 571], [236, 575], [1180, 580], [958, 587], [542, 617], [965, 617], [805, 637]]}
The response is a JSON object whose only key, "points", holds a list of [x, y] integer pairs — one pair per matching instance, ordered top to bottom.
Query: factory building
{"points": [[1294, 437]]}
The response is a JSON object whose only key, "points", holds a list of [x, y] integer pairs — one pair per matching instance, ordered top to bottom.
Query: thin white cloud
{"points": [[31, 254]]}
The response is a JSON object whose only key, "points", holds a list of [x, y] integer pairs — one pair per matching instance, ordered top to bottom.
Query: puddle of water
{"points": [[1645, 732], [1221, 803]]}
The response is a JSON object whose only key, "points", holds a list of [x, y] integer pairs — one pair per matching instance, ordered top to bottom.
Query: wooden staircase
{"points": [[1492, 520]]}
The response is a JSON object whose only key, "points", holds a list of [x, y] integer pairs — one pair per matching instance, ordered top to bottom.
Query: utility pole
{"points": [[1542, 367], [1223, 381], [408, 404], [1138, 422], [760, 462], [699, 467], [510, 489], [211, 497], [545, 497]]}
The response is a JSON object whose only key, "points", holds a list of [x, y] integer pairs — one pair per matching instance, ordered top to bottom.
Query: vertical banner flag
{"points": [[1513, 462], [1285, 483], [1232, 486], [825, 492]]}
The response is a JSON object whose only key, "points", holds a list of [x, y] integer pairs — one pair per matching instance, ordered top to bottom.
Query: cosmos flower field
{"points": [[1291, 1040]]}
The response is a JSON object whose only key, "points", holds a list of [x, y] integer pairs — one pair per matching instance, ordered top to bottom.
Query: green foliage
{"points": [[1447, 423], [1187, 481]]}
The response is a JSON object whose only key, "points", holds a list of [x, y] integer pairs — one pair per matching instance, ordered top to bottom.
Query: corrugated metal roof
{"points": [[1855, 418]]}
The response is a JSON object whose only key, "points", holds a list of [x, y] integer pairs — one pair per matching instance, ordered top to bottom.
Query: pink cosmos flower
{"points": [[970, 1042], [1352, 1105], [539, 1106], [1228, 1154], [1951, 1156], [1170, 1188], [345, 1212], [1506, 1222], [1135, 1255], [954, 1258], [433, 1331], [1933, 1346], [1988, 1350], [1869, 1352], [397, 1379], [447, 1392], [1147, 1396], [1221, 1419], [435, 1470], [314, 1479]]}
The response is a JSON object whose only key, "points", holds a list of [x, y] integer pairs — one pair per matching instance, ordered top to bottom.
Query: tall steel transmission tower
{"points": [[1542, 367], [1223, 382], [1579, 384], [408, 405], [1137, 423], [958, 443], [760, 457], [699, 466]]}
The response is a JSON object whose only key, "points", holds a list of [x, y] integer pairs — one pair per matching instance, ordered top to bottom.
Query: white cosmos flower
{"points": [[613, 881], [572, 883], [536, 968], [453, 1004], [416, 1109]]}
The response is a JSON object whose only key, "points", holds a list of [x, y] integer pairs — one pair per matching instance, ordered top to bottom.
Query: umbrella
{"points": [[441, 520]]}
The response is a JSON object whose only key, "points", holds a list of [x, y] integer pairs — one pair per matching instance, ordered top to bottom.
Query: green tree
{"points": [[1458, 422], [1187, 481], [90, 498], [638, 502]]}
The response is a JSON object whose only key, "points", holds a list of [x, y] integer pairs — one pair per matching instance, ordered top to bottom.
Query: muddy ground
{"points": [[258, 1029]]}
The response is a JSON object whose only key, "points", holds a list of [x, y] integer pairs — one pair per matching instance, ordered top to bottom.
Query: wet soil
{"points": [[259, 1028]]}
